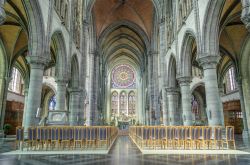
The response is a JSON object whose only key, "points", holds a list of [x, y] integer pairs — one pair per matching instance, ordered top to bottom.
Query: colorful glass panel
{"points": [[123, 76]]}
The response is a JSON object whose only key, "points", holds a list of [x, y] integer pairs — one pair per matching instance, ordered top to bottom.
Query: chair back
{"points": [[55, 133], [217, 133], [230, 133], [19, 134]]}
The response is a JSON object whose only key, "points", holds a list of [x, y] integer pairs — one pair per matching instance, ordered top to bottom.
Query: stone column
{"points": [[2, 12], [245, 14], [155, 77], [4, 82], [93, 88], [150, 88], [35, 89], [26, 92], [61, 94], [172, 94], [186, 100], [213, 100], [74, 104], [165, 106], [2, 108], [82, 108], [245, 132]]}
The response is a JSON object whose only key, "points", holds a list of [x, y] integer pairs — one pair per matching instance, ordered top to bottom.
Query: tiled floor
{"points": [[124, 152]]}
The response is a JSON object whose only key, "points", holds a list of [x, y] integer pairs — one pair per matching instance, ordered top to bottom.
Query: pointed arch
{"points": [[36, 28], [210, 29], [58, 42], [185, 68], [74, 72], [172, 82]]}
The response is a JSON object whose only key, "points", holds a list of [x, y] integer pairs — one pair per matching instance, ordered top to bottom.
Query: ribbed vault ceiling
{"points": [[137, 11], [14, 34], [126, 42]]}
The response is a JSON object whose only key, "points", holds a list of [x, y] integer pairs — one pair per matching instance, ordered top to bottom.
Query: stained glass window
{"points": [[123, 76], [230, 81], [16, 84], [52, 103], [123, 103], [131, 103], [114, 105], [195, 107]]}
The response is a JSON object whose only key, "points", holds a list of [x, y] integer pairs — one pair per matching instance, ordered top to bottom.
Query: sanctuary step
{"points": [[124, 132]]}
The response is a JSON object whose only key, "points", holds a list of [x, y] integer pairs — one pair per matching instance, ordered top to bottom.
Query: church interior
{"points": [[124, 82]]}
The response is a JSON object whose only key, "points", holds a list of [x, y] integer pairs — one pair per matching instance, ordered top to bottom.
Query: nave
{"points": [[124, 151]]}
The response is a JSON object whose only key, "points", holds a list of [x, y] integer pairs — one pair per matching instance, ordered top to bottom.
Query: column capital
{"points": [[2, 12], [245, 14], [85, 23], [94, 52], [153, 53], [209, 61], [37, 62], [239, 79], [184, 80], [61, 81], [74, 90], [26, 91], [172, 91]]}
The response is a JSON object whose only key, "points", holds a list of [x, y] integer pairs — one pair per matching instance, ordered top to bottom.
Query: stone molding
{"points": [[2, 12], [245, 15], [85, 23], [94, 53], [153, 53], [208, 61], [37, 62], [184, 80], [61, 82], [74, 91], [172, 91]]}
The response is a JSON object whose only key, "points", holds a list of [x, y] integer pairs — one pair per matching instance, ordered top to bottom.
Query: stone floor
{"points": [[122, 153]]}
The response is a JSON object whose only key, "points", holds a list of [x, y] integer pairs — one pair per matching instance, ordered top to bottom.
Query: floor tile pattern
{"points": [[123, 152]]}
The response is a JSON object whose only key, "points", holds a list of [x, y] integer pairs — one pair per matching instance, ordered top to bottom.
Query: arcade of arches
{"points": [[131, 62]]}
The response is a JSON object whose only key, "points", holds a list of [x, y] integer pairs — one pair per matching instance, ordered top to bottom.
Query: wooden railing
{"points": [[66, 137], [182, 137]]}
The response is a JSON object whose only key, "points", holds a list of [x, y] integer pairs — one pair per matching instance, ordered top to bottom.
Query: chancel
{"points": [[124, 82]]}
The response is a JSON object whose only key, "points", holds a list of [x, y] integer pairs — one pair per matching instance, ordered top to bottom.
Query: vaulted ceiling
{"points": [[139, 12], [14, 34], [232, 35], [125, 42]]}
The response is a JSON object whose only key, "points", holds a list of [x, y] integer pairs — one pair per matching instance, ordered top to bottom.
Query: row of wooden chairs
{"points": [[66, 137], [183, 137]]}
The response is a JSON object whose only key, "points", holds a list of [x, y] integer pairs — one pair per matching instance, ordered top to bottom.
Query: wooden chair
{"points": [[64, 134], [162, 135], [91, 136], [19, 137], [47, 137], [55, 137], [71, 137], [78, 137], [102, 137], [145, 137], [177, 137], [195, 137], [207, 137], [229, 137], [38, 138], [169, 139], [31, 141], [188, 141], [217, 141]]}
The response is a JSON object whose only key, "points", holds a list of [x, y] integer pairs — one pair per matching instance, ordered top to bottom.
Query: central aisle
{"points": [[124, 152]]}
